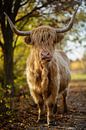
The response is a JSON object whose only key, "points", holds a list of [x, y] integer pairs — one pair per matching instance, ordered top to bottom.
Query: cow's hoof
{"points": [[37, 121], [52, 123]]}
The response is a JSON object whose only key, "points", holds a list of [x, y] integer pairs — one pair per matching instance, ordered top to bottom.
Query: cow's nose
{"points": [[45, 55]]}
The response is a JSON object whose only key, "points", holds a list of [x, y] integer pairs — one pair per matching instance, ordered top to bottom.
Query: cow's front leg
{"points": [[38, 99], [40, 110], [49, 114]]}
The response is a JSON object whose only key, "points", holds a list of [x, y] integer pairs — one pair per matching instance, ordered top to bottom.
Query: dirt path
{"points": [[25, 115]]}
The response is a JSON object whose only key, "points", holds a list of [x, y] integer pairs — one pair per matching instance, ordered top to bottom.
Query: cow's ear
{"points": [[27, 40]]}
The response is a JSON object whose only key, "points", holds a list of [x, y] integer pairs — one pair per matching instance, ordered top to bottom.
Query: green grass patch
{"points": [[78, 76]]}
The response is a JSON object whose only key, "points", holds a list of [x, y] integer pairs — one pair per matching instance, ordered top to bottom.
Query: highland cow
{"points": [[48, 73]]}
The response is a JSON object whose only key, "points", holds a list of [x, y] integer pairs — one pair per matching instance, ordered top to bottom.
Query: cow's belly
{"points": [[64, 79]]}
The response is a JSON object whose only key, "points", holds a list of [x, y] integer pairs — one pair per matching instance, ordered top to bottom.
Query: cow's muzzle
{"points": [[45, 56]]}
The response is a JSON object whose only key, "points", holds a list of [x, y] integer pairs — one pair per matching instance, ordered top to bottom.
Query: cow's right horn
{"points": [[14, 29]]}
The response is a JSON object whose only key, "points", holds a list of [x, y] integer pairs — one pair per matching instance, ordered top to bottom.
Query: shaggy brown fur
{"points": [[44, 35], [47, 70]]}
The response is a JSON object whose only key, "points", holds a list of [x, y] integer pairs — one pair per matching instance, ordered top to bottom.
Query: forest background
{"points": [[29, 14]]}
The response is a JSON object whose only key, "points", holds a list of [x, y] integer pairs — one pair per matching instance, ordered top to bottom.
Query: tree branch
{"points": [[24, 3], [16, 7], [30, 13]]}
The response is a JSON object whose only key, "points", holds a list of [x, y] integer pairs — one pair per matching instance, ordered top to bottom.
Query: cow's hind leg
{"points": [[64, 101], [55, 108]]}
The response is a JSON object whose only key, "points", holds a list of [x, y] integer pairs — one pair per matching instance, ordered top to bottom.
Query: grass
{"points": [[78, 76]]}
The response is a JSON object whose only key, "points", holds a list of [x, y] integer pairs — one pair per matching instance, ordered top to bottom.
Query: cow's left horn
{"points": [[69, 26], [14, 29]]}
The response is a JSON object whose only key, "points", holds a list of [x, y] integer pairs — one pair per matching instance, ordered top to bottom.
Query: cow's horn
{"points": [[70, 24], [14, 29]]}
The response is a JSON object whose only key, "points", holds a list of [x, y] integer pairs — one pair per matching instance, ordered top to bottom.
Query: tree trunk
{"points": [[8, 55], [8, 64], [8, 69]]}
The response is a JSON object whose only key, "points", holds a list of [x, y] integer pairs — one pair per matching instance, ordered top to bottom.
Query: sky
{"points": [[76, 50]]}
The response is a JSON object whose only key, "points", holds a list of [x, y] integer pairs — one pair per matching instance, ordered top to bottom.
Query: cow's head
{"points": [[44, 38]]}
